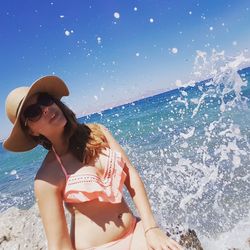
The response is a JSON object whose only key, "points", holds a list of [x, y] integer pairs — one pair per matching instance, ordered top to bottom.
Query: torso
{"points": [[93, 223], [93, 227]]}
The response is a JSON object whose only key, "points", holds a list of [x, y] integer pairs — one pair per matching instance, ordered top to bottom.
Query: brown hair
{"points": [[85, 140]]}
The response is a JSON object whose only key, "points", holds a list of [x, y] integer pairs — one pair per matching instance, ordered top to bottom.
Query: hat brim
{"points": [[18, 140]]}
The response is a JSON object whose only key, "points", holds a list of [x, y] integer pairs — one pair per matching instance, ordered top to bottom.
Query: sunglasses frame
{"points": [[43, 99]]}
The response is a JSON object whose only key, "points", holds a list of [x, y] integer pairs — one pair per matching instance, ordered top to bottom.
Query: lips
{"points": [[52, 117]]}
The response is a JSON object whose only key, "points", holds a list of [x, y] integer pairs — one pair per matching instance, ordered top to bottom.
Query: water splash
{"points": [[204, 163]]}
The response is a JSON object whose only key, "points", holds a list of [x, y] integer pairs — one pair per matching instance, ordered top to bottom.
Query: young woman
{"points": [[85, 170]]}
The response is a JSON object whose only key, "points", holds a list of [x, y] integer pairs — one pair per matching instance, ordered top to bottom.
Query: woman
{"points": [[85, 169]]}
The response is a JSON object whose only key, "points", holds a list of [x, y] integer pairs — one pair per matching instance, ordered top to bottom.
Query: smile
{"points": [[52, 116]]}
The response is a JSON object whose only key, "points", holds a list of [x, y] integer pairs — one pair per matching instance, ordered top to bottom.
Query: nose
{"points": [[45, 109]]}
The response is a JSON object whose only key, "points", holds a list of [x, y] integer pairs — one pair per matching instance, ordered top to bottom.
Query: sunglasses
{"points": [[34, 111]]}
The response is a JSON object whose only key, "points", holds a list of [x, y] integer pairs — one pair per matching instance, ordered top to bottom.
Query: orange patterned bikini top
{"points": [[89, 185]]}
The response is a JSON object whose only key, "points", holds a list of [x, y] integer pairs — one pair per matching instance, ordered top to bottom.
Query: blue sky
{"points": [[110, 52]]}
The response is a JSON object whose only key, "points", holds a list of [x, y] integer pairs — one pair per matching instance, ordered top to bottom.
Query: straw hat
{"points": [[18, 141]]}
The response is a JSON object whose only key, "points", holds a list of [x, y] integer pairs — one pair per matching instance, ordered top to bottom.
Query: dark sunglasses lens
{"points": [[45, 100], [33, 112]]}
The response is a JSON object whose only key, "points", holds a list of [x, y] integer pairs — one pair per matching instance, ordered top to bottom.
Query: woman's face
{"points": [[48, 122]]}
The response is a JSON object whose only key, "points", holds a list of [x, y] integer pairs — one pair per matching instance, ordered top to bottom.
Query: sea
{"points": [[190, 145]]}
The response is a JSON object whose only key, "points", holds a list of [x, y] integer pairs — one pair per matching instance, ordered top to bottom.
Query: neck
{"points": [[60, 144]]}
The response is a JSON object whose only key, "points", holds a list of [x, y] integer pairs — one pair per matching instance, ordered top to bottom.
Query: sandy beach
{"points": [[22, 229]]}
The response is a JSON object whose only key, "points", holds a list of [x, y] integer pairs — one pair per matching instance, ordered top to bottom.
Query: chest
{"points": [[96, 166], [103, 180]]}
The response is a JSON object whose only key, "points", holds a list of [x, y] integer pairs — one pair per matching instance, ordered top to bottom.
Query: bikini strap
{"points": [[60, 162]]}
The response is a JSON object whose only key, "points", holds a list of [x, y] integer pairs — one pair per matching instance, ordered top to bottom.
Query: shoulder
{"points": [[94, 126], [98, 126], [102, 127], [99, 130], [104, 131], [108, 134], [111, 140], [114, 145], [49, 174]]}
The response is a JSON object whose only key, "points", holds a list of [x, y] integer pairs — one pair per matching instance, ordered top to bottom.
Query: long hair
{"points": [[85, 140]]}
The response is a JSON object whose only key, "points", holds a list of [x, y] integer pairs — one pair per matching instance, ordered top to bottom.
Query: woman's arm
{"points": [[133, 183], [52, 213], [156, 238]]}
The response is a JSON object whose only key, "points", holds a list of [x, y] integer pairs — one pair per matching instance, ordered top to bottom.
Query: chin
{"points": [[59, 121], [62, 122]]}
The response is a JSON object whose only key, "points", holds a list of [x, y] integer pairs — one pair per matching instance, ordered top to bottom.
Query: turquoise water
{"points": [[191, 146]]}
